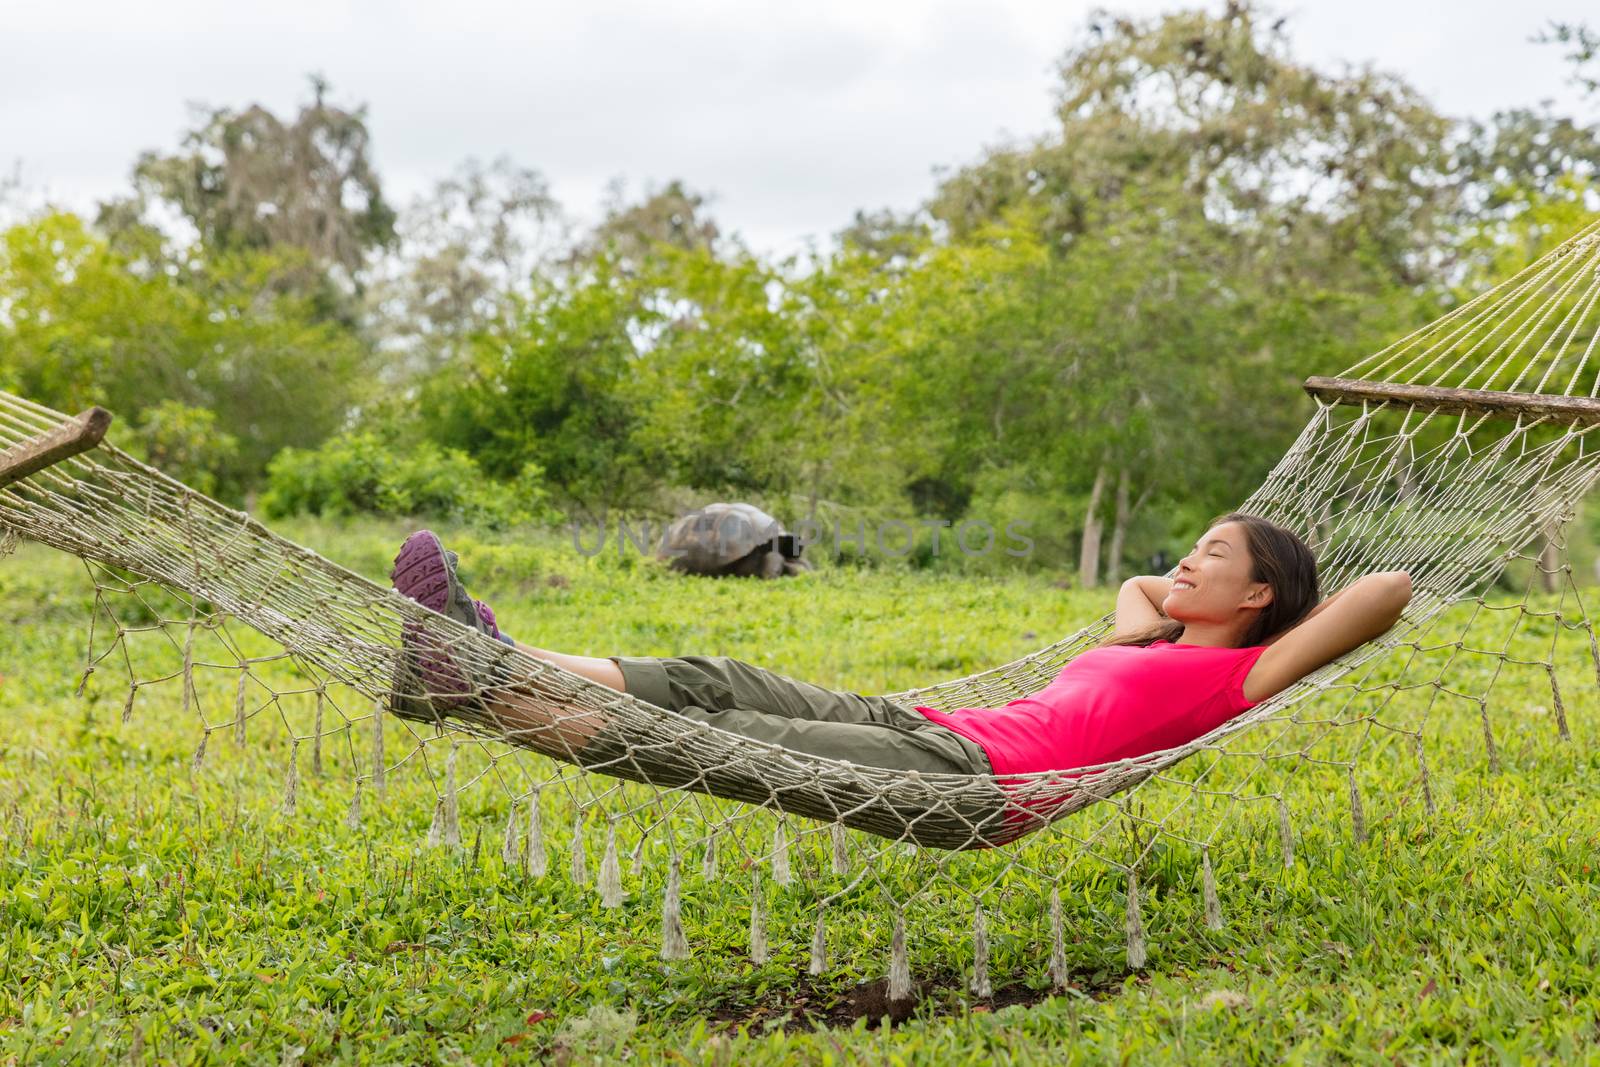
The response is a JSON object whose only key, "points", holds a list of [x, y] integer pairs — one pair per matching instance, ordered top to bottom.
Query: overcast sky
{"points": [[791, 115]]}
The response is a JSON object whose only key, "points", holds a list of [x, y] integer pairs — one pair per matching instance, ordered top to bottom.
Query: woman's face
{"points": [[1213, 583]]}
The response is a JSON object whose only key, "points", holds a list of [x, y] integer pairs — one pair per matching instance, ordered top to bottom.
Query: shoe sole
{"points": [[421, 571]]}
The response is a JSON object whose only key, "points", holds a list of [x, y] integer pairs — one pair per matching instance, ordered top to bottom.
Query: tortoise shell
{"points": [[731, 539]]}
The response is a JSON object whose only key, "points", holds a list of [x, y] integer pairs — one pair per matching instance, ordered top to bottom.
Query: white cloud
{"points": [[792, 115]]}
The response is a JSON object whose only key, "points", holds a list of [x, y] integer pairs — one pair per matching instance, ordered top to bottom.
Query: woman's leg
{"points": [[425, 572], [595, 668], [722, 683], [732, 694], [742, 698], [746, 699], [550, 726]]}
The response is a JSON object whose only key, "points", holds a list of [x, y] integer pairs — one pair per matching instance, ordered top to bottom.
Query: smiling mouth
{"points": [[1181, 585]]}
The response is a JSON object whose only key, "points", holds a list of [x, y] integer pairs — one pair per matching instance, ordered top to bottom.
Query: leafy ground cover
{"points": [[153, 911]]}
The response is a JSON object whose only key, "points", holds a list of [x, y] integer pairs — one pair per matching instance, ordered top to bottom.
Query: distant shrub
{"points": [[187, 443], [359, 473]]}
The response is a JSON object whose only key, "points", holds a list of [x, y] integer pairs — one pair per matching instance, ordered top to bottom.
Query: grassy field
{"points": [[160, 913]]}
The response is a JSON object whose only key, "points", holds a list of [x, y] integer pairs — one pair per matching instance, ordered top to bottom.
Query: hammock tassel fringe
{"points": [[316, 732], [291, 788], [1358, 817], [446, 828], [511, 841], [780, 855], [538, 861], [580, 861], [708, 862], [611, 870], [1208, 883], [758, 926], [1058, 944], [674, 946], [1136, 946], [819, 947], [980, 954], [899, 961]]}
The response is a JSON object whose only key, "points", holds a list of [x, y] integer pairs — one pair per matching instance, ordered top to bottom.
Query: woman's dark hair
{"points": [[1277, 557]]}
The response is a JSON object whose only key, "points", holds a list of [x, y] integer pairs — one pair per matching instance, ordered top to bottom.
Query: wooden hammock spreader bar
{"points": [[1570, 409], [75, 436]]}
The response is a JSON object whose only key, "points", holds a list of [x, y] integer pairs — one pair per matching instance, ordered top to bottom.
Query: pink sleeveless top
{"points": [[1109, 704]]}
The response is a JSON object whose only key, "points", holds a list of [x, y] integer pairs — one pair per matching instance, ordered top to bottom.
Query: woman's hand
{"points": [[1154, 587], [1139, 603]]}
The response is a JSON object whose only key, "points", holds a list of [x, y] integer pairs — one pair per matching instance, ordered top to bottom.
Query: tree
{"points": [[1583, 52], [1313, 169], [1527, 178], [248, 181], [1528, 181], [672, 217], [1214, 218], [894, 239], [465, 252], [214, 369], [721, 371], [1063, 384], [551, 386]]}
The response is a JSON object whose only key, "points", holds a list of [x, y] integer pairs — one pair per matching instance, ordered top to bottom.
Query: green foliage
{"points": [[1583, 51], [1318, 170], [1528, 220], [86, 323], [723, 378], [551, 389], [186, 443], [362, 473]]}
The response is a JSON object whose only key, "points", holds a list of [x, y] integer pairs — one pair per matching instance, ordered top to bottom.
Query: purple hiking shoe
{"points": [[425, 572]]}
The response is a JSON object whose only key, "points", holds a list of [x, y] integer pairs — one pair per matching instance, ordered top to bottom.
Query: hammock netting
{"points": [[1459, 454]]}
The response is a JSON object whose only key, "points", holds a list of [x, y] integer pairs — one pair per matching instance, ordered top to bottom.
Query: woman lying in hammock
{"points": [[1239, 622]]}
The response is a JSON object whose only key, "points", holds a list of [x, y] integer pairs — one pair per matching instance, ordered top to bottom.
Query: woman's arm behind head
{"points": [[1363, 610]]}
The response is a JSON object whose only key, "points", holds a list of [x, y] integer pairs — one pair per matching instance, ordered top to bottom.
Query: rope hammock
{"points": [[1451, 454]]}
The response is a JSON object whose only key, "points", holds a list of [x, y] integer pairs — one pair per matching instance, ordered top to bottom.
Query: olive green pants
{"points": [[753, 701]]}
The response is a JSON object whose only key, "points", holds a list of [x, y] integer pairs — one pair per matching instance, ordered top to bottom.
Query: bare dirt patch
{"points": [[803, 1005]]}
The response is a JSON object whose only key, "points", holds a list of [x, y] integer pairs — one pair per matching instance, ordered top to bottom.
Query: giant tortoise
{"points": [[732, 539]]}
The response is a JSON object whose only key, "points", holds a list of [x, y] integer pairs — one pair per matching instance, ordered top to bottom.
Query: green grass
{"points": [[185, 915]]}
